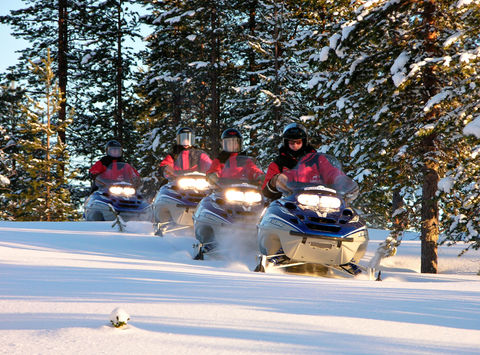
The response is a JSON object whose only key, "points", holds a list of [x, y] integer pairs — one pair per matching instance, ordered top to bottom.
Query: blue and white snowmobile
{"points": [[117, 194], [176, 201], [228, 217], [312, 227]]}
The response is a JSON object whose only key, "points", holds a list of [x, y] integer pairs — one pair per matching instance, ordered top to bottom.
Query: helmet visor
{"points": [[185, 139], [231, 145], [114, 152]]}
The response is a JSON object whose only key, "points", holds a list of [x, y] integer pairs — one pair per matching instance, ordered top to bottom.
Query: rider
{"points": [[294, 148], [113, 153], [184, 155], [228, 164]]}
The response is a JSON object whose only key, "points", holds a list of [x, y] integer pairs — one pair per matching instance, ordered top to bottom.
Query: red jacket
{"points": [[185, 161], [101, 165], [235, 168], [321, 168]]}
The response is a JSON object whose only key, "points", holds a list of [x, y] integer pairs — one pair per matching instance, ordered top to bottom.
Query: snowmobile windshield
{"points": [[191, 160], [240, 169], [314, 169], [118, 172]]}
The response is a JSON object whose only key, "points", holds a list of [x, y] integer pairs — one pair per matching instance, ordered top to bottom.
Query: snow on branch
{"points": [[398, 69], [435, 100], [473, 128]]}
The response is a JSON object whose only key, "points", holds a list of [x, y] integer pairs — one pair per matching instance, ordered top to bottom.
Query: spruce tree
{"points": [[392, 88], [43, 157]]}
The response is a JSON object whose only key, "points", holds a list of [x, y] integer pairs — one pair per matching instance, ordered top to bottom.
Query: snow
{"points": [[462, 3], [324, 53], [398, 69], [473, 128], [4, 181], [446, 184], [59, 283], [119, 317]]}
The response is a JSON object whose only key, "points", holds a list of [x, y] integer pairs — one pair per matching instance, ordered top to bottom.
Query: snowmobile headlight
{"points": [[193, 184], [122, 190], [233, 195], [250, 197], [308, 200], [324, 202], [329, 202]]}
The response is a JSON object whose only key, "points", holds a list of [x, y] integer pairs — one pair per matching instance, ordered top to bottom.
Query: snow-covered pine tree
{"points": [[97, 65], [189, 69], [279, 75], [105, 80], [164, 85], [393, 85], [11, 97], [43, 157]]}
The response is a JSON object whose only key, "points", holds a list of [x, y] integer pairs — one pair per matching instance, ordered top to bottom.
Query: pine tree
{"points": [[92, 62], [279, 74], [188, 80], [392, 90], [44, 156]]}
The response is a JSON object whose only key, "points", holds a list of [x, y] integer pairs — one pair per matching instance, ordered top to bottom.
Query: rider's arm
{"points": [[167, 161], [205, 162], [216, 167], [97, 169], [254, 172], [328, 172], [338, 180], [269, 189]]}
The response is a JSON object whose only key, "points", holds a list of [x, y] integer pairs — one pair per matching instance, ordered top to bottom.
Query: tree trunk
{"points": [[277, 49], [251, 53], [62, 63], [119, 78], [215, 95], [429, 210], [399, 215], [429, 216]]}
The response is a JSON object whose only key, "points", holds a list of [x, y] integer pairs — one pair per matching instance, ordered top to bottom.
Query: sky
{"points": [[9, 43], [60, 282]]}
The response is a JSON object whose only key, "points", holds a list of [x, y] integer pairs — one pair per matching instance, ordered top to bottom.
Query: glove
{"points": [[168, 171], [212, 178], [259, 179], [281, 183], [346, 187]]}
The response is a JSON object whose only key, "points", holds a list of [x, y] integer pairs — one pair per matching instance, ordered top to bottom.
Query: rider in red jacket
{"points": [[295, 147], [113, 153], [184, 156], [231, 162]]}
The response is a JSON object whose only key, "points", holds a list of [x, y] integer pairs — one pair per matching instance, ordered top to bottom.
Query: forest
{"points": [[389, 87]]}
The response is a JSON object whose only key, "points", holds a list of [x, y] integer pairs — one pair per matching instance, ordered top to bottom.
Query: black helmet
{"points": [[294, 131], [185, 136], [232, 140], [113, 149]]}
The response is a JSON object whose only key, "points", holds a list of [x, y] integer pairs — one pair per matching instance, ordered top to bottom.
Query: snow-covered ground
{"points": [[60, 282]]}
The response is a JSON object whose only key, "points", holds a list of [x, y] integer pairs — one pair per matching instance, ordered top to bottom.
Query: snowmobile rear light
{"points": [[193, 184], [122, 190], [250, 197], [323, 202]]}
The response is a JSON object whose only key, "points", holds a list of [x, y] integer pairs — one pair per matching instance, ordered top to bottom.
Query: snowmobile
{"points": [[116, 195], [176, 201], [231, 211], [311, 227]]}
